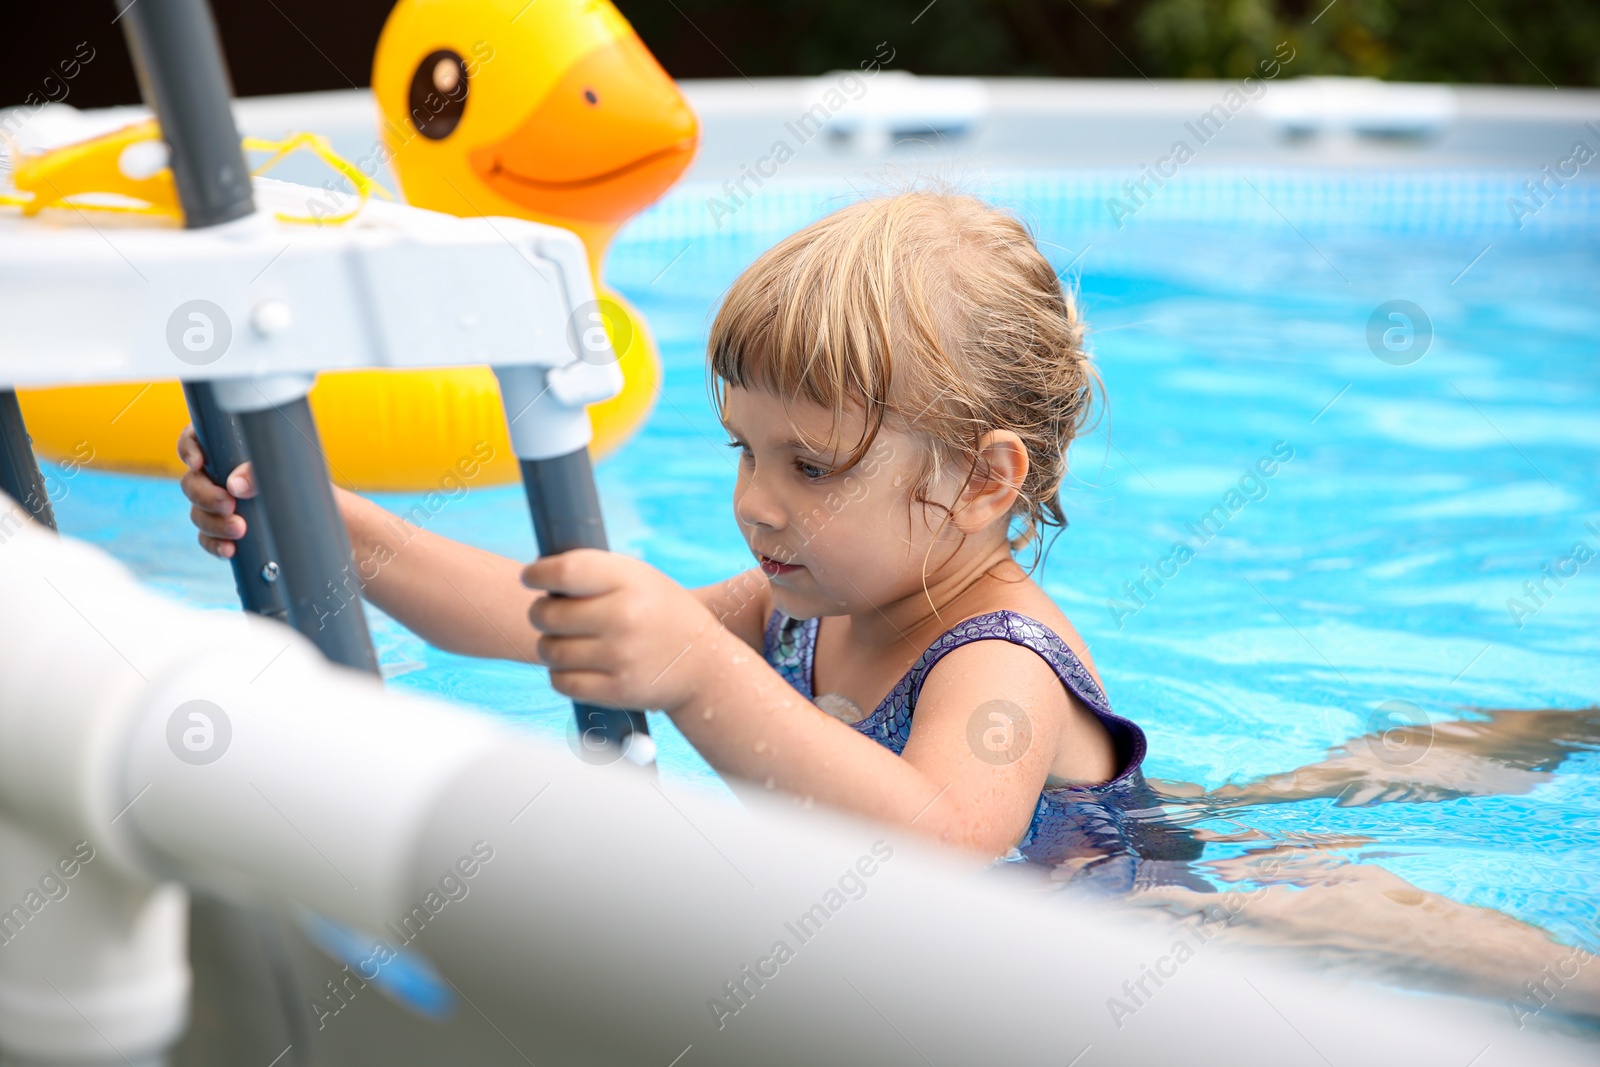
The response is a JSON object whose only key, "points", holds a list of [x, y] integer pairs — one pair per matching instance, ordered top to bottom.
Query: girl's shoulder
{"points": [[1027, 599], [743, 604], [1057, 621], [1026, 652], [1016, 655]]}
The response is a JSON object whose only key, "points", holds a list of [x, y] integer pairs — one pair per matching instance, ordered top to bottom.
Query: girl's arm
{"points": [[454, 596], [459, 598], [473, 603], [742, 604], [627, 636], [947, 784]]}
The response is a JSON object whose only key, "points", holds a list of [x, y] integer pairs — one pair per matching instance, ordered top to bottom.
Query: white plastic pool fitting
{"points": [[1349, 106], [874, 111], [389, 288], [546, 409], [99, 970]]}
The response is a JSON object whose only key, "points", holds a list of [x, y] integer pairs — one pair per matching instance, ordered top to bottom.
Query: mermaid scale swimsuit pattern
{"points": [[1082, 831]]}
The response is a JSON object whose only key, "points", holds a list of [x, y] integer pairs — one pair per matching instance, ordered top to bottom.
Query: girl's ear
{"points": [[997, 478]]}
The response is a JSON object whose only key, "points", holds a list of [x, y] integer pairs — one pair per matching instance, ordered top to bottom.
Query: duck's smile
{"points": [[499, 170]]}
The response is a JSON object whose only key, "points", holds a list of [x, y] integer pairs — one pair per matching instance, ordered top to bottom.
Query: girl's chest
{"points": [[850, 684]]}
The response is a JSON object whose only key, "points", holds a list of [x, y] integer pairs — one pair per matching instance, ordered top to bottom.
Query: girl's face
{"points": [[831, 544]]}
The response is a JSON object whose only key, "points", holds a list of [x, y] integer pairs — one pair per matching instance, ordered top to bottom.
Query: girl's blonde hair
{"points": [[933, 311]]}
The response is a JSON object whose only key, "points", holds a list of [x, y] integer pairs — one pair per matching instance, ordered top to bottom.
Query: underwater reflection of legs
{"points": [[1507, 752], [1305, 895], [1367, 921]]}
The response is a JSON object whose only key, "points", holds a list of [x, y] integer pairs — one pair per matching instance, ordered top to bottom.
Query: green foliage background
{"points": [[1529, 42]]}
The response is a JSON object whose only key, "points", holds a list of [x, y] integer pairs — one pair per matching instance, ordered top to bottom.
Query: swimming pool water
{"points": [[1230, 319]]}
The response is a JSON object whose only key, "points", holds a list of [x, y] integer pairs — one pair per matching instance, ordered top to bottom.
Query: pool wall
{"points": [[850, 121]]}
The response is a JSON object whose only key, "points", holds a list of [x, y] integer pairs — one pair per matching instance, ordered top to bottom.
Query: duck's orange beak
{"points": [[609, 139]]}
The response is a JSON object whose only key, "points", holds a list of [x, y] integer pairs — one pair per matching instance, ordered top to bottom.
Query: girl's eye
{"points": [[744, 451], [810, 471]]}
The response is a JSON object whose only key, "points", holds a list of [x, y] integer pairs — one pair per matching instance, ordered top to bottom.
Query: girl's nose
{"points": [[754, 506]]}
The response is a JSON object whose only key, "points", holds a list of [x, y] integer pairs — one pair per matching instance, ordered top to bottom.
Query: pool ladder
{"points": [[254, 405]]}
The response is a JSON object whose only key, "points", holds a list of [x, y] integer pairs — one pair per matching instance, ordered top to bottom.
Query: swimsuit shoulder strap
{"points": [[1018, 629], [790, 647]]}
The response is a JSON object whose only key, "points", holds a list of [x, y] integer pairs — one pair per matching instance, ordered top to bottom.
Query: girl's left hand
{"points": [[620, 632]]}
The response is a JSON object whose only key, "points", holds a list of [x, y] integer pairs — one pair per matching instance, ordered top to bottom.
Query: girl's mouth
{"points": [[773, 568]]}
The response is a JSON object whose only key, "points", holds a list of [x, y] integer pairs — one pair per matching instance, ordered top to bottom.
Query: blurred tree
{"points": [[1531, 42], [1535, 42], [288, 46]]}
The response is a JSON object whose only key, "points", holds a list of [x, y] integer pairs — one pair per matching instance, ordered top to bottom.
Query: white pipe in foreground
{"points": [[586, 914]]}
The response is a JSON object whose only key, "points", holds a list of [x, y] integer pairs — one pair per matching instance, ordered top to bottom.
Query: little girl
{"points": [[901, 381]]}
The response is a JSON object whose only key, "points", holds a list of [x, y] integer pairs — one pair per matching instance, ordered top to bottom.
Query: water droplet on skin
{"points": [[899, 480], [738, 658], [707, 714], [761, 746], [771, 783], [807, 802]]}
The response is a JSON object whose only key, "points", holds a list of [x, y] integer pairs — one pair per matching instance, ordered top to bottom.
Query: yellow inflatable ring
{"points": [[382, 430]]}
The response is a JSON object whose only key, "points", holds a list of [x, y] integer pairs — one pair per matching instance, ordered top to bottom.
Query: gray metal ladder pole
{"points": [[184, 79], [19, 468], [292, 475], [565, 506], [256, 571], [246, 1000]]}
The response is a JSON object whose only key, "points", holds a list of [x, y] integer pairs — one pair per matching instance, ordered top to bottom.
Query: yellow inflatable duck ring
{"points": [[553, 111]]}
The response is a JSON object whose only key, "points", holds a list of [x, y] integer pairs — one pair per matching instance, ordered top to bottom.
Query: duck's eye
{"points": [[438, 94], [591, 96]]}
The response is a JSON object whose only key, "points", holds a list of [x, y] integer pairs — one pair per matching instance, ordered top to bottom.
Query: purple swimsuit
{"points": [[1081, 826]]}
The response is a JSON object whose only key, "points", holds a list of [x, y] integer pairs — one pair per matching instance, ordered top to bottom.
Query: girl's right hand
{"points": [[214, 507]]}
